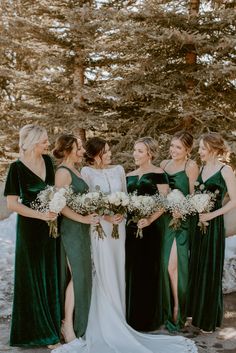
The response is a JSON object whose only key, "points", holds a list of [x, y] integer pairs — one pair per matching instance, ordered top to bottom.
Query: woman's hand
{"points": [[176, 214], [48, 216], [205, 217], [91, 219], [116, 219], [144, 222]]}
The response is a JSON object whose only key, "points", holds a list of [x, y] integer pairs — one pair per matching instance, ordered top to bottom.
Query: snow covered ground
{"points": [[7, 248]]}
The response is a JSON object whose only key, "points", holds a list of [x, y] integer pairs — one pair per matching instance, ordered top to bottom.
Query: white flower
{"points": [[200, 202], [57, 203]]}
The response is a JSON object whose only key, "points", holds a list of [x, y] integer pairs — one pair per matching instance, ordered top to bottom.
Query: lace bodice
{"points": [[109, 180]]}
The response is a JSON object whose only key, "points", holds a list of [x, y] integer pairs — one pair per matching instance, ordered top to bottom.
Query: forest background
{"points": [[119, 69]]}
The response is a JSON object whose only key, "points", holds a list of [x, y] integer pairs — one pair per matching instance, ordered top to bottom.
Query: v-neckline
{"points": [[171, 174], [77, 176], [43, 180], [204, 181]]}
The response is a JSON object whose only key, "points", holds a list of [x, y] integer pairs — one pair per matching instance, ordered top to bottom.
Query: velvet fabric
{"points": [[178, 181], [75, 250], [143, 281], [205, 298], [36, 304]]}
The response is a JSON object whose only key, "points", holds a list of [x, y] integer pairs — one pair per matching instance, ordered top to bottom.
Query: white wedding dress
{"points": [[107, 330]]}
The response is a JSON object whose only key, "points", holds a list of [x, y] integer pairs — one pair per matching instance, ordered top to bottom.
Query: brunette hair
{"points": [[30, 135], [185, 137], [215, 142], [64, 145], [151, 145], [95, 146]]}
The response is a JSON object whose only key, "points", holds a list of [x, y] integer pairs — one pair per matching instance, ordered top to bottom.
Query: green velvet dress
{"points": [[178, 181], [75, 247], [143, 281], [205, 299], [36, 303]]}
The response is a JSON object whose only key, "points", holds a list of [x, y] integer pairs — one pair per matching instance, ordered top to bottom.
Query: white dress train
{"points": [[107, 330]]}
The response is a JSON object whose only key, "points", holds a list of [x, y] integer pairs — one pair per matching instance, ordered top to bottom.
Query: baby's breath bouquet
{"points": [[51, 200], [202, 201], [91, 202], [116, 203], [178, 204], [143, 206]]}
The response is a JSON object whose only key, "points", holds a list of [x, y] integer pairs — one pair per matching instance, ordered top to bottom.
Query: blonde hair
{"points": [[30, 135], [215, 143], [151, 145]]}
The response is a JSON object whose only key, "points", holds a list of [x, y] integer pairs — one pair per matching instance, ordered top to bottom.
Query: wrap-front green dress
{"points": [[178, 181], [75, 250], [142, 262], [205, 298], [36, 304]]}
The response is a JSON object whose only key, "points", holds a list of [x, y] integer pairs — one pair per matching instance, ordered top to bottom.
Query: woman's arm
{"points": [[192, 172]]}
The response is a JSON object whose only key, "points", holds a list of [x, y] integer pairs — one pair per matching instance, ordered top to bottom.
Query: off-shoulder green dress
{"points": [[178, 181], [75, 249], [143, 281], [205, 298], [36, 304]]}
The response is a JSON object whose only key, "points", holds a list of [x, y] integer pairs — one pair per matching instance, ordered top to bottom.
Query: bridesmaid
{"points": [[182, 173], [75, 240], [207, 255], [143, 284], [36, 307]]}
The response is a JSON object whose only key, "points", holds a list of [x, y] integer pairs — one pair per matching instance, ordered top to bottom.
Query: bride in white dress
{"points": [[107, 330]]}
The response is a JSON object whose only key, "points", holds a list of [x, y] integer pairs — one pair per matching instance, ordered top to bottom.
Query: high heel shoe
{"points": [[67, 331]]}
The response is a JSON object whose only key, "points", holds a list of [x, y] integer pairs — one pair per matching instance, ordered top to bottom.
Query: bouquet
{"points": [[51, 200], [202, 201], [91, 202], [116, 203], [178, 204], [142, 206]]}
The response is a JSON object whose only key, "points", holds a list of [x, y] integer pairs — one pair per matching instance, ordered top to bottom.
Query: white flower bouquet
{"points": [[51, 200], [202, 201], [91, 202], [116, 203], [143, 206], [179, 206]]}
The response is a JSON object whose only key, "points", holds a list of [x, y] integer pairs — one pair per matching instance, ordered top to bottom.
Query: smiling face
{"points": [[42, 146], [177, 150], [77, 152], [204, 152], [141, 154], [103, 159]]}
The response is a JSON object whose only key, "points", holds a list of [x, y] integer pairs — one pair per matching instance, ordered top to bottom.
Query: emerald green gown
{"points": [[178, 181], [75, 247], [142, 262], [205, 298], [36, 302]]}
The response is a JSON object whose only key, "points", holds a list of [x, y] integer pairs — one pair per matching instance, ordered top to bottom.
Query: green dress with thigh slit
{"points": [[178, 181], [75, 250], [36, 304]]}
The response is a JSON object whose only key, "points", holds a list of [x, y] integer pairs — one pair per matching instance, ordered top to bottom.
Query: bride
{"points": [[107, 330]]}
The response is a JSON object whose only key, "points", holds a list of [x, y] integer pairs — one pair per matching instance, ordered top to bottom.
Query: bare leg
{"points": [[173, 273], [67, 329]]}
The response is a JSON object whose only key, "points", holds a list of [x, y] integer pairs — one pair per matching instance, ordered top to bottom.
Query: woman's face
{"points": [[42, 146], [177, 150], [77, 152], [204, 152], [140, 154], [106, 157]]}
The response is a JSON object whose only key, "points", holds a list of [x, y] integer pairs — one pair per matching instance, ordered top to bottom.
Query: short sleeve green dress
{"points": [[178, 181], [75, 249], [142, 257], [205, 298], [36, 303]]}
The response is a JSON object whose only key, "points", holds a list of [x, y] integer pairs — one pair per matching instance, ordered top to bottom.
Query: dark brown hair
{"points": [[185, 137], [215, 143], [64, 145], [95, 146]]}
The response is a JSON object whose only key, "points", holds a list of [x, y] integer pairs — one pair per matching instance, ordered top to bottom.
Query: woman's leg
{"points": [[173, 274]]}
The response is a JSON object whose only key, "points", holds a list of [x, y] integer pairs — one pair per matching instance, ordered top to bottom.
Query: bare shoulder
{"points": [[164, 163], [191, 164], [157, 170], [227, 171], [134, 172]]}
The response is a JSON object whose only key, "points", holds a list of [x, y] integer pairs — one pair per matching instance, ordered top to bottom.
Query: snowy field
{"points": [[7, 248]]}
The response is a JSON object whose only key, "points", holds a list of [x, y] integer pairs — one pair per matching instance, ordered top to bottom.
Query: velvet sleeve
{"points": [[12, 186]]}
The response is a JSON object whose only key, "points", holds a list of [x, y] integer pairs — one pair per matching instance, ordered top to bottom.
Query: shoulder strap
{"points": [[168, 162], [63, 166], [222, 167]]}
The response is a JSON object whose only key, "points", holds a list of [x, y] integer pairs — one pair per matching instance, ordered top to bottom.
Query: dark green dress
{"points": [[178, 181], [75, 246], [143, 282], [205, 299], [36, 304]]}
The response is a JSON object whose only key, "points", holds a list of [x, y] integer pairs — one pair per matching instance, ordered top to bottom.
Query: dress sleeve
{"points": [[85, 175], [161, 178], [123, 179], [12, 186]]}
